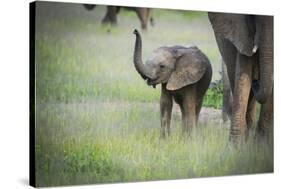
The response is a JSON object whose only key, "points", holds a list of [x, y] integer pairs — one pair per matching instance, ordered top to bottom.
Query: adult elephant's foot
{"points": [[265, 123], [238, 133], [264, 134]]}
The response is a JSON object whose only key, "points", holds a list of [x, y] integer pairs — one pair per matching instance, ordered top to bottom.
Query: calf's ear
{"points": [[188, 70]]}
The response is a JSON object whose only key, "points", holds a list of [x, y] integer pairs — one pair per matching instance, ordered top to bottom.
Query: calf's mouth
{"points": [[152, 82]]}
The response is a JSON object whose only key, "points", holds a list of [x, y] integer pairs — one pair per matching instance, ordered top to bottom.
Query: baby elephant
{"points": [[185, 75]]}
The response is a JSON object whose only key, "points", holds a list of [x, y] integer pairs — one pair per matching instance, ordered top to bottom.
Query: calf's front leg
{"points": [[166, 104]]}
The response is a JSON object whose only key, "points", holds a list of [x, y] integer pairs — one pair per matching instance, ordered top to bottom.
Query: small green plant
{"points": [[213, 97]]}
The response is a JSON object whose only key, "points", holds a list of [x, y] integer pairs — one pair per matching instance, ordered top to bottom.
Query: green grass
{"points": [[97, 121], [92, 143]]}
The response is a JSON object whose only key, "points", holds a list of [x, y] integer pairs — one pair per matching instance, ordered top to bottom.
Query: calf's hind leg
{"points": [[198, 108], [188, 109]]}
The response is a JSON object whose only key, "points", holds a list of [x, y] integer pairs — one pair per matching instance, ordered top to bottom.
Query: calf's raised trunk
{"points": [[141, 68]]}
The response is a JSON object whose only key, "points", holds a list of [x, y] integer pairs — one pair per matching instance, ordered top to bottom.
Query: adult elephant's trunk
{"points": [[142, 69], [263, 88]]}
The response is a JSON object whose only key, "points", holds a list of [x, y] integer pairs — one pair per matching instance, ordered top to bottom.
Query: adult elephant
{"points": [[144, 14], [246, 46]]}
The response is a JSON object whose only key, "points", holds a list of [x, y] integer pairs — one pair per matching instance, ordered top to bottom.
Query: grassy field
{"points": [[96, 119]]}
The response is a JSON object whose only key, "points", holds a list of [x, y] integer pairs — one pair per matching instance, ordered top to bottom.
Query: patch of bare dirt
{"points": [[208, 116]]}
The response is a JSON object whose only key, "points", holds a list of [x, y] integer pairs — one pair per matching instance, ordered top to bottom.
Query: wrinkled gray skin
{"points": [[144, 14], [246, 45], [185, 75], [227, 95]]}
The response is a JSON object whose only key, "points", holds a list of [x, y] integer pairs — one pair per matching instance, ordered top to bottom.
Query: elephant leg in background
{"points": [[89, 6], [143, 14], [111, 15], [149, 16], [229, 55], [243, 81], [227, 95], [166, 104], [188, 109], [266, 119]]}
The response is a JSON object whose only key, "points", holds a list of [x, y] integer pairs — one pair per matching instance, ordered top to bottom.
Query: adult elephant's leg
{"points": [[113, 15], [142, 15], [110, 16], [149, 16], [106, 19], [229, 55], [243, 80], [227, 96], [166, 104], [251, 109], [251, 113], [266, 119]]}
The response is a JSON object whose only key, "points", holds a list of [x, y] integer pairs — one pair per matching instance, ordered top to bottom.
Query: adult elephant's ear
{"points": [[239, 29], [189, 69]]}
